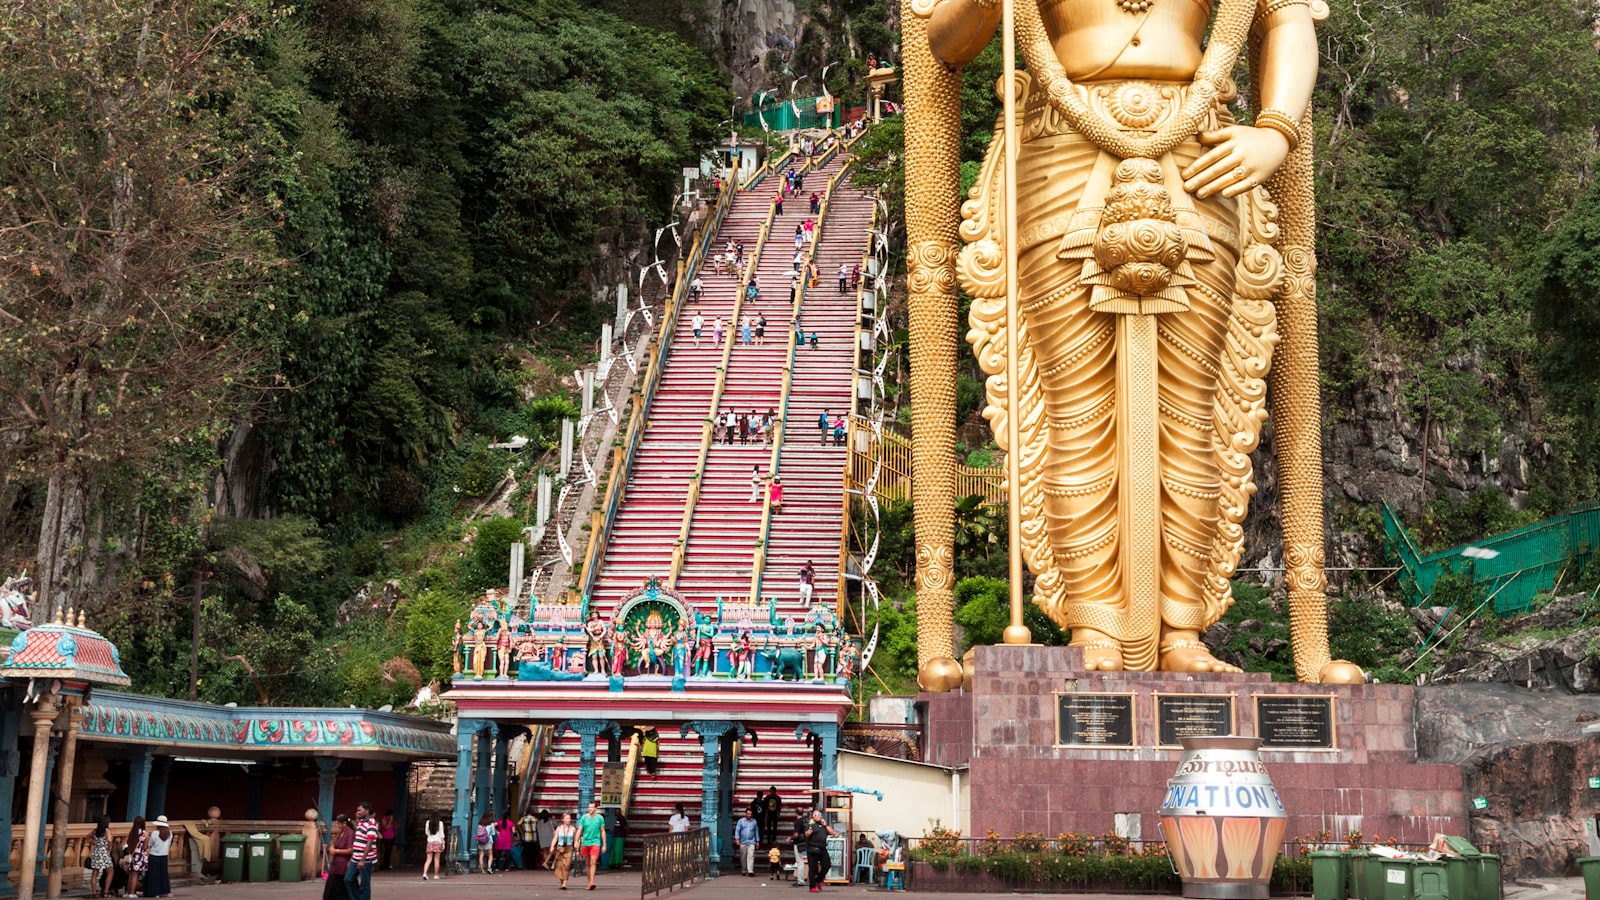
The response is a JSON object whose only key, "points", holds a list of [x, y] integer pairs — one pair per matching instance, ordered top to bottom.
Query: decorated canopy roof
{"points": [[64, 650], [138, 719]]}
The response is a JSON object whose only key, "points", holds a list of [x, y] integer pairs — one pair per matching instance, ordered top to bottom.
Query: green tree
{"points": [[983, 610]]}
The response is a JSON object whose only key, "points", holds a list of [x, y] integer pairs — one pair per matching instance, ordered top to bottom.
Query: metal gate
{"points": [[674, 860]]}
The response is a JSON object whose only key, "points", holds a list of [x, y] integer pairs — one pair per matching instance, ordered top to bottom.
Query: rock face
{"points": [[1550, 649], [1525, 752]]}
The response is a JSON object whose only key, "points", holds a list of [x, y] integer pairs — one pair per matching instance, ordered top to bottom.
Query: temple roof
{"points": [[61, 649]]}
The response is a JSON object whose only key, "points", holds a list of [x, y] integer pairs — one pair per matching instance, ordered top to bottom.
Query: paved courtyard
{"points": [[409, 885]]}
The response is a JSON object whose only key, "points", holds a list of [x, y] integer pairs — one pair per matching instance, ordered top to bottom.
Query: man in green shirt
{"points": [[592, 838]]}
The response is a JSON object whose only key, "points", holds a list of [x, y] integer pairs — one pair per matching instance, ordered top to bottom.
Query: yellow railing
{"points": [[708, 428], [893, 451], [622, 456], [758, 565]]}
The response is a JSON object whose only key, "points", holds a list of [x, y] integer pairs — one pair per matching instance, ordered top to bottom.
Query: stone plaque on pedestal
{"points": [[1192, 715], [1094, 720], [1295, 723]]}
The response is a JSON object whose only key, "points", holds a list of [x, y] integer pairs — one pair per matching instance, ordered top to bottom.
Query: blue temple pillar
{"points": [[587, 730], [827, 734], [711, 735], [502, 753], [10, 763], [159, 777], [257, 777], [139, 780], [327, 780], [482, 799], [402, 811], [46, 814], [461, 815]]}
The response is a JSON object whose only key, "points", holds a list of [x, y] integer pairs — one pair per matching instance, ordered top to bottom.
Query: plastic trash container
{"points": [[290, 846], [258, 851], [233, 852], [1355, 865], [1590, 867], [1327, 875], [1461, 876], [1488, 876], [1396, 879], [1430, 881]]}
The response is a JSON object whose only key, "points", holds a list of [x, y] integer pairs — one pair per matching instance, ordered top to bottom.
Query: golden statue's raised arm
{"points": [[1151, 263]]}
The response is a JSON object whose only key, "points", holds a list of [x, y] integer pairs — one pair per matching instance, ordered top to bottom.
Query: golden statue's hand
{"points": [[1240, 158]]}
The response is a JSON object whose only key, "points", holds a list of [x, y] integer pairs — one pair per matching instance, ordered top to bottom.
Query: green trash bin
{"points": [[290, 846], [233, 851], [258, 856], [1355, 864], [1590, 867], [1327, 875], [1487, 875], [1373, 876], [1461, 876], [1396, 879], [1430, 881]]}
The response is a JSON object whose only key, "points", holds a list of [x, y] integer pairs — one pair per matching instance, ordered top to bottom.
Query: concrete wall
{"points": [[914, 794]]}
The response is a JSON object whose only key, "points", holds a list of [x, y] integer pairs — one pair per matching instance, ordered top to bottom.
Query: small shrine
{"points": [[654, 633]]}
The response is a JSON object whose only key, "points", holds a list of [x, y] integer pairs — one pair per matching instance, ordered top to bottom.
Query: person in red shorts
{"points": [[592, 838]]}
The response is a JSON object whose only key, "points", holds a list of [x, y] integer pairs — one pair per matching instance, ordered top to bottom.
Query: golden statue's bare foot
{"points": [[1100, 653], [1187, 655]]}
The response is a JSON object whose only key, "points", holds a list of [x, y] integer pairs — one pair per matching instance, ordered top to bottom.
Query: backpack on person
{"points": [[483, 834]]}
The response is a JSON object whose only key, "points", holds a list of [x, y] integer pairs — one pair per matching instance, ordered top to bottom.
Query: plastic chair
{"points": [[864, 861]]}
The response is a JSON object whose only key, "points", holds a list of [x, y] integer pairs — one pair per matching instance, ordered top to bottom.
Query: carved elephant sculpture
{"points": [[785, 661]]}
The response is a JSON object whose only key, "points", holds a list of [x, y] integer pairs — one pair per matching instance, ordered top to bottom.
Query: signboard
{"points": [[1192, 715], [1094, 720], [1295, 723], [1594, 781], [611, 784], [1480, 802]]}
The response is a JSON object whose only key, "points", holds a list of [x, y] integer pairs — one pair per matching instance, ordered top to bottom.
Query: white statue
{"points": [[15, 594]]}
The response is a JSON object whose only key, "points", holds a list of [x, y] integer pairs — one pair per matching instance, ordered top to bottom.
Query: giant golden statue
{"points": [[1163, 267]]}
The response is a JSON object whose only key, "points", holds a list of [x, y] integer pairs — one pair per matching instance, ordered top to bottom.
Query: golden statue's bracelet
{"points": [[1277, 5], [1281, 123]]}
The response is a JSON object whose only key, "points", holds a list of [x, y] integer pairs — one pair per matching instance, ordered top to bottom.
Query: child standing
{"points": [[775, 861]]}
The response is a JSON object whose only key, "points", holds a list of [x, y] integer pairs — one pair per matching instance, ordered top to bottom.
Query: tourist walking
{"points": [[816, 203], [777, 204], [811, 230], [799, 237], [855, 276], [844, 278], [696, 287], [752, 292], [698, 323], [744, 329], [761, 329], [716, 332], [813, 340], [730, 420], [823, 423], [838, 431], [756, 483], [776, 493], [808, 578], [650, 748], [770, 815], [678, 823], [547, 833], [817, 833], [746, 835], [505, 836], [484, 838], [592, 838], [386, 839], [528, 839], [564, 839], [797, 841], [433, 847], [363, 854], [138, 856], [339, 859], [100, 862], [774, 862], [157, 877]]}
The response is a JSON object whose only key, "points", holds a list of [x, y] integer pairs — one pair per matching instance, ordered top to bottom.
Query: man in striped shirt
{"points": [[363, 854]]}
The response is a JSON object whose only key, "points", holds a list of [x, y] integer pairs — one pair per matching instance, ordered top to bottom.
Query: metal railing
{"points": [[623, 456], [758, 566], [673, 860]]}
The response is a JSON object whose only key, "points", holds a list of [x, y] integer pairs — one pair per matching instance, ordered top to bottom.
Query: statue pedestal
{"points": [[1054, 749]]}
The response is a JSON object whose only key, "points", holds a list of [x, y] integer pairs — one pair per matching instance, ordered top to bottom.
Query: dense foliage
{"points": [[412, 192]]}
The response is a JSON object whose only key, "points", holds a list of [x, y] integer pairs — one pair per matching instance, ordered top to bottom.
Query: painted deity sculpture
{"points": [[1156, 278], [15, 596], [478, 630], [597, 642], [651, 643], [705, 648], [680, 651], [743, 656], [849, 659]]}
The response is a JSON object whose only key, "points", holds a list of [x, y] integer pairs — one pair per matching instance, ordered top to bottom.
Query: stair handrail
{"points": [[768, 166], [655, 364], [855, 403], [708, 427], [758, 563], [538, 748], [630, 773]]}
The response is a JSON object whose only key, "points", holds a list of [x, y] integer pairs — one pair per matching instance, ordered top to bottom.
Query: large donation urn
{"points": [[1222, 819]]}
